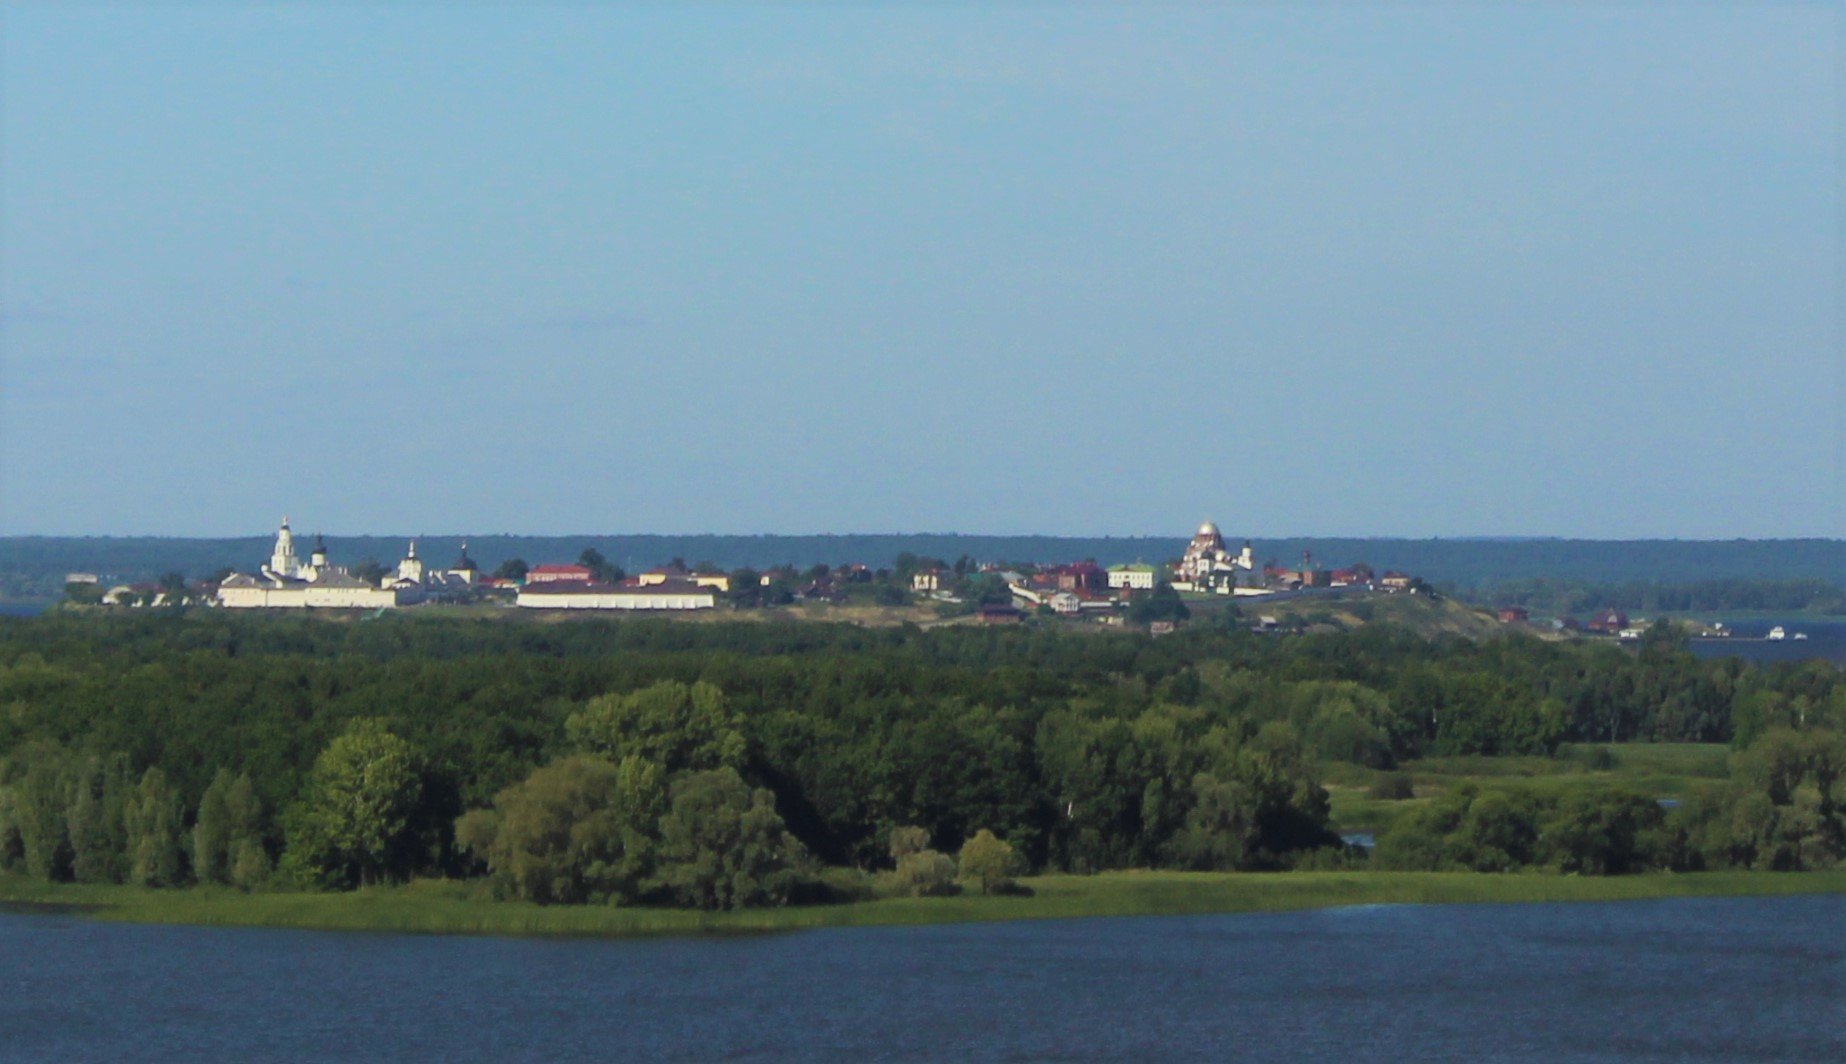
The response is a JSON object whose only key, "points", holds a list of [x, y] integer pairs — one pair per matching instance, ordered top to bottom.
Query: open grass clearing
{"points": [[1658, 770], [447, 907]]}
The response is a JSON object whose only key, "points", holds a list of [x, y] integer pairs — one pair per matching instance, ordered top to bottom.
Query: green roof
{"points": [[1137, 567]]}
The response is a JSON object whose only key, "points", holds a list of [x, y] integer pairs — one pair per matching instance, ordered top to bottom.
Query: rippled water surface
{"points": [[1683, 979]]}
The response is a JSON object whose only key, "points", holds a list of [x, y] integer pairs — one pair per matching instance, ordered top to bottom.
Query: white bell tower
{"points": [[282, 560], [411, 568]]}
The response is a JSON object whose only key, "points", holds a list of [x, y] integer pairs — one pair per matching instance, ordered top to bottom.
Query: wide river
{"points": [[1826, 641], [1739, 979]]}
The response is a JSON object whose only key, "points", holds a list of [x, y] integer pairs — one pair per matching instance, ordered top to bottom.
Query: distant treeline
{"points": [[35, 566], [1557, 598], [649, 761]]}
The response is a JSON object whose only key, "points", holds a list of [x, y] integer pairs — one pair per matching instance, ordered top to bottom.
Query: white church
{"points": [[1208, 566], [287, 583]]}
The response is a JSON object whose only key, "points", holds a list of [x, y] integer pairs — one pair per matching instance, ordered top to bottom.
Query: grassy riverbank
{"points": [[1658, 770], [443, 907]]}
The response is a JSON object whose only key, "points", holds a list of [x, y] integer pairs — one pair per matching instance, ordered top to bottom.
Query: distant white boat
{"points": [[1777, 633], [1800, 635]]}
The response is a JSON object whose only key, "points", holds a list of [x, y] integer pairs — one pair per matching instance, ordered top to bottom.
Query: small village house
{"points": [[1137, 576]]}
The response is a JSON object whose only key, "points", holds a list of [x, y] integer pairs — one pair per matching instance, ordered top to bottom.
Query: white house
{"points": [[1136, 576]]}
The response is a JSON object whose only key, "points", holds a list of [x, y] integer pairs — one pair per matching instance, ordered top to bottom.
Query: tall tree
{"points": [[675, 725], [41, 804], [96, 820], [155, 821], [354, 825], [576, 830], [211, 832], [229, 832], [723, 845]]}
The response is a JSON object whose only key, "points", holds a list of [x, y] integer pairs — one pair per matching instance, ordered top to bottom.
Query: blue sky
{"points": [[1463, 270]]}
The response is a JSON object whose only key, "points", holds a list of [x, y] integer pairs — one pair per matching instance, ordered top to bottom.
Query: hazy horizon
{"points": [[1457, 272], [1229, 534]]}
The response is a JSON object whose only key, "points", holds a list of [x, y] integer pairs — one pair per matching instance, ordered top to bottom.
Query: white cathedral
{"points": [[1208, 566], [287, 583]]}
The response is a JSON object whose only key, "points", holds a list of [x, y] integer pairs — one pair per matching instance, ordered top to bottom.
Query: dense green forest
{"points": [[33, 567], [1562, 598], [727, 764]]}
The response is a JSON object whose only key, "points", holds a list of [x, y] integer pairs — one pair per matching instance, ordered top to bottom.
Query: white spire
{"points": [[282, 560], [411, 568]]}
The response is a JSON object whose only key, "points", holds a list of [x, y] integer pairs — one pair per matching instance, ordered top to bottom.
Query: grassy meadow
{"points": [[1658, 770], [448, 907]]}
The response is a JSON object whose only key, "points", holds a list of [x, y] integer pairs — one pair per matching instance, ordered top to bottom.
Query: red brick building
{"points": [[552, 574]]}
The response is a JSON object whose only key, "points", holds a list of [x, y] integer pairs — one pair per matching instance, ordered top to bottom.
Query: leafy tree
{"points": [[512, 569], [601, 570], [746, 588], [986, 589], [1161, 604], [675, 725], [1774, 765], [1392, 787], [40, 803], [96, 820], [155, 822], [354, 824], [579, 829], [1222, 831], [211, 832], [228, 832], [1497, 833], [1605, 834], [908, 839], [1417, 840], [723, 845], [12, 849], [988, 861], [250, 864], [919, 871], [923, 874]]}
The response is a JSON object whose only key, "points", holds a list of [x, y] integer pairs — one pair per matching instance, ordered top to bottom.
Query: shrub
{"points": [[1596, 758], [1392, 787], [1332, 859], [988, 861], [920, 872], [923, 874]]}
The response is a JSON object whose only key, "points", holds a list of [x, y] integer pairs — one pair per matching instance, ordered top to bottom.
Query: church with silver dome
{"points": [[1208, 565]]}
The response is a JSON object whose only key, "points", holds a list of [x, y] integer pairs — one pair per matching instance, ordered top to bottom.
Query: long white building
{"points": [[569, 595]]}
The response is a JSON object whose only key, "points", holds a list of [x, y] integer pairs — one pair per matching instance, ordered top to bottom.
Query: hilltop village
{"points": [[987, 592]]}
